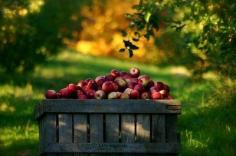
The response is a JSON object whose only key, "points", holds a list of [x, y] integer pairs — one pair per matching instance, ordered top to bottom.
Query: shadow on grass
{"points": [[21, 148]]}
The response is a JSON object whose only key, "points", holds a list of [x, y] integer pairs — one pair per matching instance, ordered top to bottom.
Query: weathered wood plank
{"points": [[107, 106], [158, 128], [171, 128], [112, 129], [65, 130], [80, 130], [96, 130], [127, 130], [143, 130], [48, 132], [115, 148]]}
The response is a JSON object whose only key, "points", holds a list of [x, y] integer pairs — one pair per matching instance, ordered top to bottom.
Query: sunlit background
{"points": [[44, 44]]}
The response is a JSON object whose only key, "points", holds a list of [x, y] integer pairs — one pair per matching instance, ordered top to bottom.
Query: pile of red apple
{"points": [[115, 85]]}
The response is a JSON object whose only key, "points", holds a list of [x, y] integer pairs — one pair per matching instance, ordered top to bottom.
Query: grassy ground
{"points": [[207, 123]]}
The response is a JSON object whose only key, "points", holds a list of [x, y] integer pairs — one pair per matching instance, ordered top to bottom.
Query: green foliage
{"points": [[31, 30], [207, 30]]}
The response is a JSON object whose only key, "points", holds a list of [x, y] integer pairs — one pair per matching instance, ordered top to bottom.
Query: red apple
{"points": [[134, 72], [114, 73], [124, 74], [109, 77], [88, 79], [127, 79], [100, 80], [135, 80], [144, 80], [120, 82], [82, 83], [131, 84], [150, 84], [91, 85], [109, 86], [159, 86], [78, 87], [139, 87], [166, 87], [71, 88], [153, 89], [128, 91], [79, 92], [65, 93], [90, 93], [164, 93], [51, 94], [100, 94], [134, 94], [58, 95], [114, 95], [145, 95], [156, 95], [124, 96], [82, 97]]}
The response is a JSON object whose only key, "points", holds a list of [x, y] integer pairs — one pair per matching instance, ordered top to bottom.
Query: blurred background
{"points": [[45, 44]]}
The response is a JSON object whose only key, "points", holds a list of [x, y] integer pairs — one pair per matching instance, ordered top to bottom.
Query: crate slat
{"points": [[107, 106], [158, 128], [112, 129], [65, 130], [80, 130], [96, 130], [127, 130], [143, 130], [171, 131], [48, 132], [102, 148]]}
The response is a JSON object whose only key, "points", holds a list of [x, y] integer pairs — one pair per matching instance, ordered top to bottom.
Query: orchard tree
{"points": [[30, 31], [201, 32]]}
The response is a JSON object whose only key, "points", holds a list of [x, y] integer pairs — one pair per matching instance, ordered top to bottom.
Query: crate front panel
{"points": [[84, 134]]}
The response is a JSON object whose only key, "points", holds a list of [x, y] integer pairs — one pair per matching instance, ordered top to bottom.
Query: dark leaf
{"points": [[130, 45], [122, 50], [131, 53]]}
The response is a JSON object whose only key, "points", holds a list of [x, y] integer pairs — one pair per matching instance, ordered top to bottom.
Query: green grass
{"points": [[207, 123]]}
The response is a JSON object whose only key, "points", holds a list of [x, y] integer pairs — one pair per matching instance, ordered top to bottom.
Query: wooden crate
{"points": [[108, 127]]}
